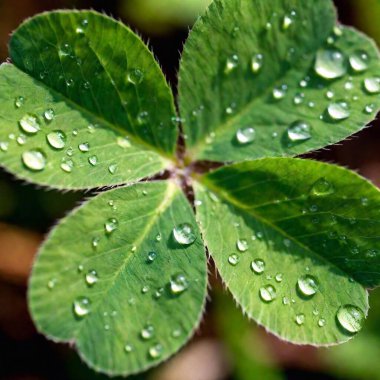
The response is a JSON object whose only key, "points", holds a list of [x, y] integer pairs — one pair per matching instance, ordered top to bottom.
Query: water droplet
{"points": [[288, 20], [359, 61], [257, 63], [231, 64], [330, 64], [135, 76], [69, 82], [372, 85], [280, 92], [330, 94], [299, 98], [19, 101], [369, 108], [231, 109], [338, 111], [49, 115], [142, 117], [29, 123], [299, 131], [245, 135], [56, 139], [123, 142], [4, 145], [84, 147], [34, 160], [93, 160], [67, 165], [112, 168], [322, 187], [364, 201], [111, 225], [183, 234], [158, 237], [95, 242], [242, 245], [151, 257], [233, 259], [91, 277], [279, 277], [51, 283], [178, 284], [307, 285], [145, 289], [268, 293], [285, 301], [81, 307], [351, 318], [300, 319], [321, 322], [147, 332], [128, 348], [155, 351]]}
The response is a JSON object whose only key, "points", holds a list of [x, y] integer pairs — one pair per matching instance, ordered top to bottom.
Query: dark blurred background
{"points": [[218, 351]]}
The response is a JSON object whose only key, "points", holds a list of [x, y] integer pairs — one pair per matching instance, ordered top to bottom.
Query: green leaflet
{"points": [[254, 63], [84, 78], [287, 219], [131, 289]]}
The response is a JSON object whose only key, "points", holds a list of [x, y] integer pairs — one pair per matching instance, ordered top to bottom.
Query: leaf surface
{"points": [[255, 68], [90, 79], [276, 222], [134, 311]]}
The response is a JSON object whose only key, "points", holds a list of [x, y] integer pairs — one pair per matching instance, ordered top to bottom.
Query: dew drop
{"points": [[359, 61], [257, 63], [231, 64], [330, 64], [372, 85], [280, 92], [19, 101], [369, 108], [338, 111], [49, 115], [29, 123], [299, 131], [246, 135], [56, 139], [4, 145], [84, 147], [34, 160], [93, 160], [67, 165], [112, 168], [322, 187], [111, 225], [184, 234], [242, 245], [151, 257], [233, 259], [258, 266], [279, 277], [91, 278], [178, 284], [307, 285], [145, 289], [268, 293], [81, 307], [351, 318], [300, 319], [321, 322], [147, 332], [128, 348], [155, 351]]}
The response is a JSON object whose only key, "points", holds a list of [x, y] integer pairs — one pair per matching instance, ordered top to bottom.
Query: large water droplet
{"points": [[257, 63], [330, 63], [231, 64], [135, 76], [372, 85], [338, 111], [30, 124], [299, 131], [245, 135], [56, 139], [34, 159], [322, 187], [111, 225], [184, 234], [242, 245], [234, 259], [258, 266], [91, 277], [178, 284], [307, 285], [268, 293], [81, 307], [351, 318], [147, 332], [155, 351]]}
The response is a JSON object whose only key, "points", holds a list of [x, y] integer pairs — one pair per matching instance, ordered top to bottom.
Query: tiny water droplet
{"points": [[288, 20], [359, 61], [257, 63], [330, 63], [231, 64], [135, 76], [372, 85], [280, 92], [330, 94], [299, 98], [19, 101], [369, 108], [338, 111], [49, 115], [29, 123], [299, 131], [246, 135], [56, 139], [123, 142], [4, 145], [84, 147], [34, 160], [93, 160], [67, 165], [112, 168], [322, 187], [364, 201], [111, 225], [184, 234], [158, 237], [95, 242], [242, 245], [151, 257], [233, 259], [91, 277], [279, 277], [51, 283], [178, 284], [307, 285], [145, 289], [268, 293], [285, 301], [81, 307], [351, 318], [300, 319], [321, 322], [147, 332], [128, 348], [155, 351]]}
